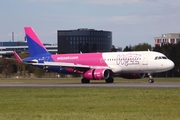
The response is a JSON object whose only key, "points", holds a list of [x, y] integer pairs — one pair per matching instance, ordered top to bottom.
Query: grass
{"points": [[62, 80], [89, 103]]}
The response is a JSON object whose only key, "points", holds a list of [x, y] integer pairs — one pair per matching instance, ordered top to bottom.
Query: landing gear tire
{"points": [[84, 80], [110, 80], [151, 81]]}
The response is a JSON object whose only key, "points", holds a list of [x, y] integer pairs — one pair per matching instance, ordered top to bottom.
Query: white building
{"points": [[171, 38]]}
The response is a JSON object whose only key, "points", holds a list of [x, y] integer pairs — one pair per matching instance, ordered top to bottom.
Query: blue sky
{"points": [[131, 21]]}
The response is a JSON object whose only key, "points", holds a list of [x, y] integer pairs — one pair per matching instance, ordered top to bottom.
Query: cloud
{"points": [[48, 0], [102, 2], [114, 2], [168, 3], [156, 17], [124, 18], [135, 19]]}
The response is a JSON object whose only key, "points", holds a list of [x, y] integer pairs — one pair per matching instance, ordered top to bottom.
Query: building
{"points": [[171, 38], [84, 40], [13, 43], [7, 48]]}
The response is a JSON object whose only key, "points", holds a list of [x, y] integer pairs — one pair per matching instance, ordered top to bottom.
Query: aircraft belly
{"points": [[131, 68]]}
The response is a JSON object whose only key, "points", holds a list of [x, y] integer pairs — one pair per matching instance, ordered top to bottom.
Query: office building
{"points": [[84, 40]]}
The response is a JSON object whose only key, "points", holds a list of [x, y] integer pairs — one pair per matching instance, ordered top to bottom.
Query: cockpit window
{"points": [[160, 57], [163, 57]]}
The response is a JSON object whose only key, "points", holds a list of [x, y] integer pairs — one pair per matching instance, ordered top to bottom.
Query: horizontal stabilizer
{"points": [[17, 57]]}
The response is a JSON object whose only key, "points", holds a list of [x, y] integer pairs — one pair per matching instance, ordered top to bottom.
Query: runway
{"points": [[117, 85]]}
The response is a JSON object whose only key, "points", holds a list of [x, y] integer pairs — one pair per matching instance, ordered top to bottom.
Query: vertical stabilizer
{"points": [[35, 46]]}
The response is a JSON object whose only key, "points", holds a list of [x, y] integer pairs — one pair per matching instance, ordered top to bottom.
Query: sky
{"points": [[132, 22]]}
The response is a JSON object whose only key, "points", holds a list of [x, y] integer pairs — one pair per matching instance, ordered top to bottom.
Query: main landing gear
{"points": [[84, 80], [108, 80], [151, 80]]}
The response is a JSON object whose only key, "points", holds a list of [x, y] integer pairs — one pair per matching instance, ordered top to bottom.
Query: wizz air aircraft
{"points": [[96, 66]]}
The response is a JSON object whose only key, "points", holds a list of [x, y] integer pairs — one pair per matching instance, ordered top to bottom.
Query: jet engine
{"points": [[97, 74], [132, 75]]}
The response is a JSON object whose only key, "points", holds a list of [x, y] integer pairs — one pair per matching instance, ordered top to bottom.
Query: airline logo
{"points": [[128, 59]]}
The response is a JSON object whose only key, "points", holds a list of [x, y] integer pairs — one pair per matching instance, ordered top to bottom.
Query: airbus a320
{"points": [[96, 66]]}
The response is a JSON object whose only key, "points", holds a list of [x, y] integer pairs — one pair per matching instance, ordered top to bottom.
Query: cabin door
{"points": [[145, 59]]}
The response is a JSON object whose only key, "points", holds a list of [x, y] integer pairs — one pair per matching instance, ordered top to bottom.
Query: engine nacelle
{"points": [[97, 74], [132, 75]]}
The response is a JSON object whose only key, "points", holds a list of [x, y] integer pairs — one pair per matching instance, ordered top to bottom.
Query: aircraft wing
{"points": [[63, 64]]}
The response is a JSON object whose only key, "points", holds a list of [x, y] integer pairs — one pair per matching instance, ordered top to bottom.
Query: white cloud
{"points": [[48, 0], [103, 2], [114, 2], [173, 3], [156, 17], [124, 18]]}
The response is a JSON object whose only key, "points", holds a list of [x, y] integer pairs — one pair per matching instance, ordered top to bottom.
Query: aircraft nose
{"points": [[170, 64]]}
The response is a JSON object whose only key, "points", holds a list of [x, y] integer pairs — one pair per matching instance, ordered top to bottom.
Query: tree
{"points": [[142, 47], [128, 48], [113, 49], [172, 52], [7, 67], [21, 67], [38, 72]]}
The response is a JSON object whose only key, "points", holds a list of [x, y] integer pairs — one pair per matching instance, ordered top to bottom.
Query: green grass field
{"points": [[17, 103]]}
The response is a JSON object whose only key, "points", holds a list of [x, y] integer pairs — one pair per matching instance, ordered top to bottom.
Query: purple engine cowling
{"points": [[97, 74]]}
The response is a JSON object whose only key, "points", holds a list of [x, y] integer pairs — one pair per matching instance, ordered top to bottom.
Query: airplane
{"points": [[96, 66]]}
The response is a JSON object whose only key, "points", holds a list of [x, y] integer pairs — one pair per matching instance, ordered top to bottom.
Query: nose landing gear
{"points": [[151, 80]]}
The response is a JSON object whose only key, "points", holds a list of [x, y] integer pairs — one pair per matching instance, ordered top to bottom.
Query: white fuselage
{"points": [[138, 62]]}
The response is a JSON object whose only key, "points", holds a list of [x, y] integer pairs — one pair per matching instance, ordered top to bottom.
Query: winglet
{"points": [[17, 57]]}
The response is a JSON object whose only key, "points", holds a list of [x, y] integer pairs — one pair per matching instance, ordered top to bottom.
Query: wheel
{"points": [[84, 80], [109, 80], [151, 81]]}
